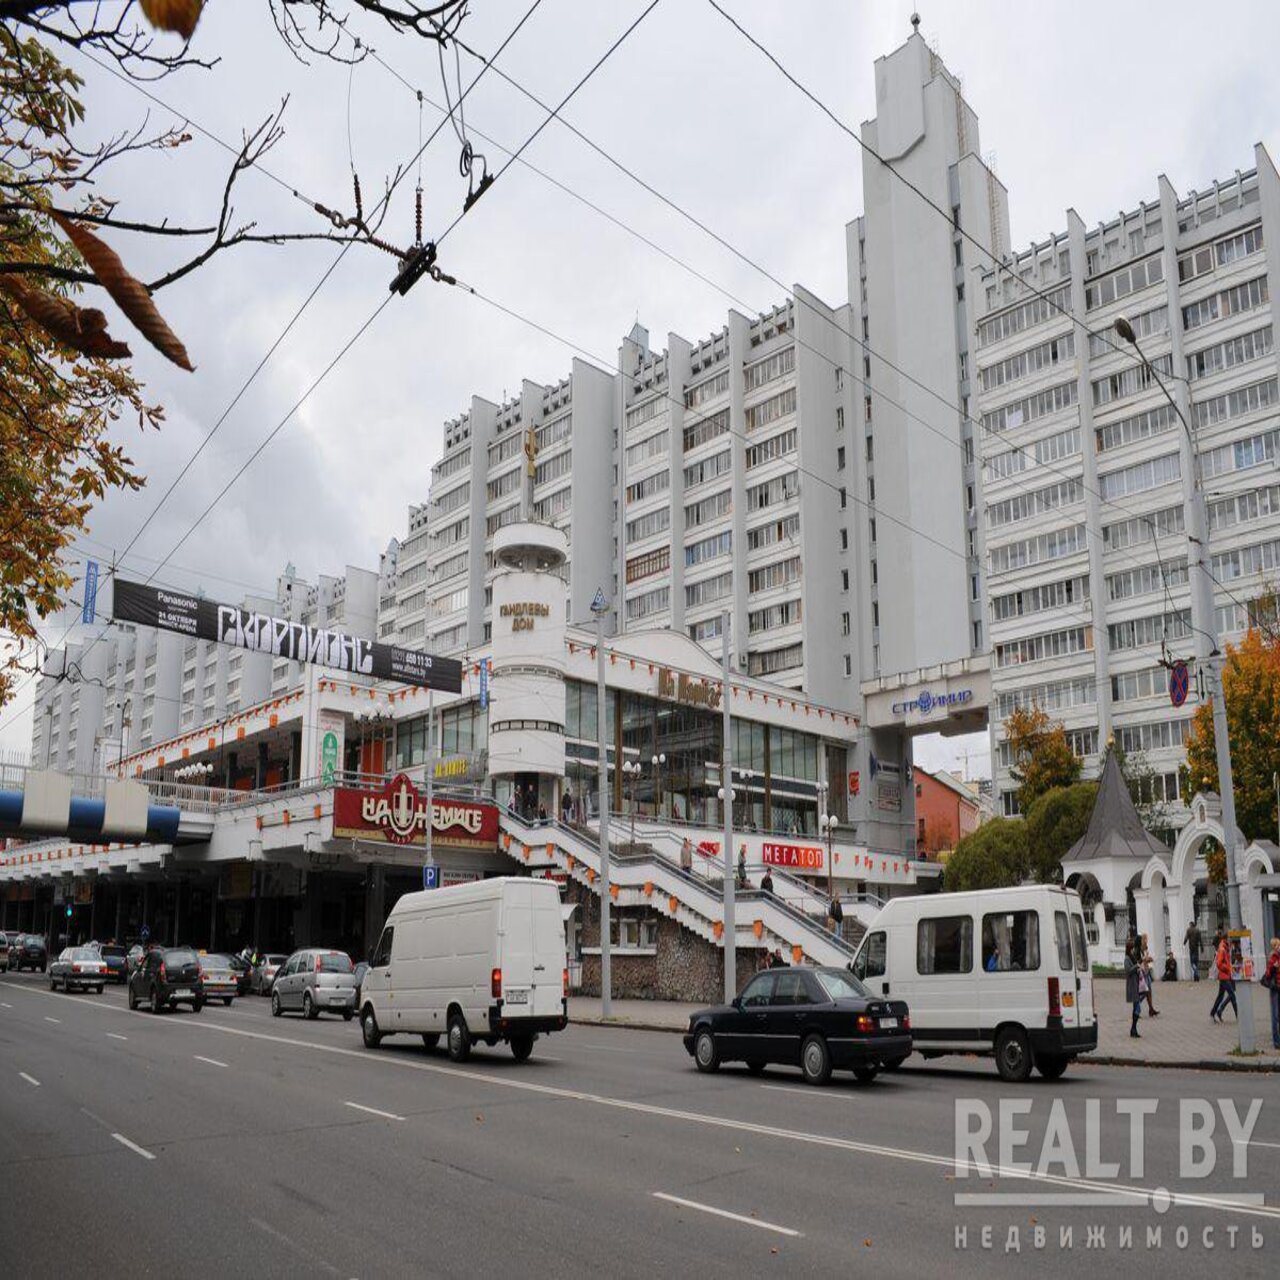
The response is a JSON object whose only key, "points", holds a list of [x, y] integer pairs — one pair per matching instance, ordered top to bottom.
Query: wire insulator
{"points": [[355, 180], [418, 215]]}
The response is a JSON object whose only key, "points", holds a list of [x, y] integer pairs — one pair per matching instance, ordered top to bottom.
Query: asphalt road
{"points": [[232, 1142]]}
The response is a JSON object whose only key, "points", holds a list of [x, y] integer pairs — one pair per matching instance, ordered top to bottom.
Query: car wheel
{"points": [[53, 983], [100, 988], [132, 998], [226, 1001], [156, 1003], [197, 1005], [276, 1010], [309, 1010], [348, 1014], [369, 1029], [430, 1039], [459, 1039], [521, 1047], [705, 1054], [1013, 1055], [815, 1060], [894, 1063], [1051, 1066], [755, 1067], [864, 1075]]}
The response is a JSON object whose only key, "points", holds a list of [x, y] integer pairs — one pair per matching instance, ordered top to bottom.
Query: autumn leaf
{"points": [[173, 15], [129, 293], [82, 328]]}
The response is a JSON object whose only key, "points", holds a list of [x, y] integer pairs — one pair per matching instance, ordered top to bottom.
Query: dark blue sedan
{"points": [[814, 1019]]}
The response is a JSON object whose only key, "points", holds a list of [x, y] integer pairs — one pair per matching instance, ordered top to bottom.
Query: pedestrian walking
{"points": [[686, 854], [742, 866], [766, 882], [835, 914], [1192, 940], [779, 962], [1148, 974], [1226, 983], [1271, 983], [1132, 984]]}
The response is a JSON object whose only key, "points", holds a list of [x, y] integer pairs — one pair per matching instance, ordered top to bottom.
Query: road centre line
{"points": [[5, 1005], [49, 1019], [115, 1035], [213, 1062], [29, 1079], [809, 1092], [373, 1111], [1255, 1142], [133, 1146], [1126, 1193], [724, 1213]]}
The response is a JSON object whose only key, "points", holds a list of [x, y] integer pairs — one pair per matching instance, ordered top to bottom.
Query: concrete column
{"points": [[148, 902], [257, 910], [93, 912], [177, 912], [375, 912], [213, 915], [119, 931]]}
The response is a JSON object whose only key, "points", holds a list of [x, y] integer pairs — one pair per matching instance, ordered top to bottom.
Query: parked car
{"points": [[29, 952], [4, 953], [115, 958], [483, 961], [78, 967], [361, 969], [1003, 972], [264, 973], [167, 977], [218, 977], [312, 981], [819, 1020]]}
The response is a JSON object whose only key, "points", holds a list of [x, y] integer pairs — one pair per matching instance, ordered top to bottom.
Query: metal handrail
{"points": [[707, 885]]}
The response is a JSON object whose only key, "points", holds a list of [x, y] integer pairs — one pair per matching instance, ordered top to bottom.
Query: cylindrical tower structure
{"points": [[526, 692]]}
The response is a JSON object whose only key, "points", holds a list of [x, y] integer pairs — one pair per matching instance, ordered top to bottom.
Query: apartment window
{"points": [[955, 216], [955, 245], [1221, 253], [1120, 284], [960, 293], [1230, 302], [1025, 316], [1147, 324], [1047, 355], [1227, 355], [769, 369], [839, 379], [1129, 381], [708, 390], [1235, 404], [767, 411], [643, 412], [1021, 412], [839, 417], [1140, 426], [706, 429], [654, 446], [767, 450], [718, 464], [1140, 477], [659, 482], [871, 488], [495, 489], [779, 489], [844, 497], [968, 497], [712, 508], [501, 519], [647, 525], [873, 528], [1140, 529], [766, 535], [844, 539], [712, 548], [1036, 550], [646, 565], [875, 573], [779, 574], [844, 579], [973, 586], [708, 590], [1063, 594], [648, 604], [875, 613], [773, 617], [845, 623], [977, 634], [1051, 644], [775, 660], [848, 666]]}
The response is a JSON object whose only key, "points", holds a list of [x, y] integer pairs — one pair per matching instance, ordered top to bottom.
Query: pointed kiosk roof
{"points": [[1115, 830]]}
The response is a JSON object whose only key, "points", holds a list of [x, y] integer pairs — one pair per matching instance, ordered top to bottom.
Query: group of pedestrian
{"points": [[774, 960], [1138, 980]]}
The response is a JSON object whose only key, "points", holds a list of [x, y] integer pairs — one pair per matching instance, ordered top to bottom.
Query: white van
{"points": [[483, 961], [1004, 971]]}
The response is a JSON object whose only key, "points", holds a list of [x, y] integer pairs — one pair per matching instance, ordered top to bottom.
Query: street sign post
{"points": [[430, 876]]}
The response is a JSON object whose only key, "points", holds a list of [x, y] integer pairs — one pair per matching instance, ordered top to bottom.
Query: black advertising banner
{"points": [[261, 633]]}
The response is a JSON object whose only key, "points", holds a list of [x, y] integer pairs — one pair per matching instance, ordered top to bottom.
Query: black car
{"points": [[29, 952], [115, 958], [243, 970], [167, 977], [816, 1019]]}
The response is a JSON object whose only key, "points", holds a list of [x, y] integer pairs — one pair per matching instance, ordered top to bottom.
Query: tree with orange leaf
{"points": [[1251, 678]]}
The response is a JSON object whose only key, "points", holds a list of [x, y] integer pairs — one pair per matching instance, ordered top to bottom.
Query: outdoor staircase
{"points": [[645, 875]]}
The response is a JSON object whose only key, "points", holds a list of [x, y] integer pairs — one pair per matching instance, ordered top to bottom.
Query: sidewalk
{"points": [[1182, 1036]]}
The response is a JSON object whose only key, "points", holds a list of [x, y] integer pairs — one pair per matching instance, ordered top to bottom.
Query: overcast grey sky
{"points": [[1082, 104]]}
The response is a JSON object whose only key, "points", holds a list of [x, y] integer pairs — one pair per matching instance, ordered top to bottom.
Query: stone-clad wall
{"points": [[686, 967]]}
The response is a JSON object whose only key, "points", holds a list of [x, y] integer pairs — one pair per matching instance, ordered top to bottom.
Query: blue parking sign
{"points": [[431, 876]]}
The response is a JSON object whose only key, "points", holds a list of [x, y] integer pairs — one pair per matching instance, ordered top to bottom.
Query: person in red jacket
{"points": [[1271, 980], [1226, 983]]}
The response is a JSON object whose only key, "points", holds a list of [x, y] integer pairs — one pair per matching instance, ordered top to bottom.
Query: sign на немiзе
{"points": [[261, 633]]}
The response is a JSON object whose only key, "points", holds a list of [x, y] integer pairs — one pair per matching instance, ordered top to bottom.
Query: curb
{"points": [[619, 1024], [1265, 1067]]}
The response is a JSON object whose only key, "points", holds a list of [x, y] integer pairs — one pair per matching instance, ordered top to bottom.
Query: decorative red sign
{"points": [[855, 782], [397, 814], [709, 848], [800, 857]]}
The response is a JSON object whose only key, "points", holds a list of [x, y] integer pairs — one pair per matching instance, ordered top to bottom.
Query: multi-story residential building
{"points": [[1088, 474]]}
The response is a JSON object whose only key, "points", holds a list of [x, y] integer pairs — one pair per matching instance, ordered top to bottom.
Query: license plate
{"points": [[182, 991], [339, 997], [517, 997], [888, 1023]]}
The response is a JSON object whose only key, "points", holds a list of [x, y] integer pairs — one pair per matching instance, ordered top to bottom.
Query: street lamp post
{"points": [[1198, 557], [599, 607], [658, 761], [631, 769]]}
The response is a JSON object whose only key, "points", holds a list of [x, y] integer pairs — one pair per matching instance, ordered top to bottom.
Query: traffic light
{"points": [[68, 911]]}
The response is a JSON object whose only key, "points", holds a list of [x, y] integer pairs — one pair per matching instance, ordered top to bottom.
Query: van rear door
{"points": [[533, 955], [1062, 961], [1084, 971]]}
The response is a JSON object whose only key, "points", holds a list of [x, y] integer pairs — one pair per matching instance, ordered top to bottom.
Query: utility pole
{"points": [[1203, 588], [600, 606], [431, 776], [726, 808]]}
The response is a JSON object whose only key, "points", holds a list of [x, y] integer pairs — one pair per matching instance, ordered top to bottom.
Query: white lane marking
{"points": [[5, 1005], [49, 1019], [112, 1035], [603, 1048], [213, 1062], [29, 1079], [806, 1090], [373, 1111], [1254, 1142], [133, 1146], [1122, 1193], [724, 1213]]}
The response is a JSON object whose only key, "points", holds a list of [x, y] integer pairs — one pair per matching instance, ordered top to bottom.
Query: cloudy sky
{"points": [[1081, 105]]}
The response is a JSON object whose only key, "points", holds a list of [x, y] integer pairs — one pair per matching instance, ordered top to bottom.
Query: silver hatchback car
{"points": [[314, 980]]}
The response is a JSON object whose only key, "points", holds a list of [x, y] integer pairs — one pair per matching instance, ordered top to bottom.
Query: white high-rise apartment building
{"points": [[1088, 474]]}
